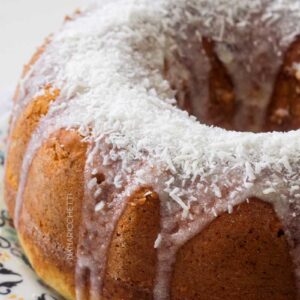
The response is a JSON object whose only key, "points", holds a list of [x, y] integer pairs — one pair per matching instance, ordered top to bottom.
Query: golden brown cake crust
{"points": [[284, 111], [53, 200], [243, 255]]}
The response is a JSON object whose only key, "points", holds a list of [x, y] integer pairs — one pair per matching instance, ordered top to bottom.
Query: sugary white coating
{"points": [[108, 64]]}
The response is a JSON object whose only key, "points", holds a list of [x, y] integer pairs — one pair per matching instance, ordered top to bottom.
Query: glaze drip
{"points": [[97, 226]]}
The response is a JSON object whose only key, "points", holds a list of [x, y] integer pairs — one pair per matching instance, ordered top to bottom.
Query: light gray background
{"points": [[23, 26]]}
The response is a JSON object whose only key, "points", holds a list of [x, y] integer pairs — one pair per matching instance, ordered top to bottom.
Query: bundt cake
{"points": [[154, 152]]}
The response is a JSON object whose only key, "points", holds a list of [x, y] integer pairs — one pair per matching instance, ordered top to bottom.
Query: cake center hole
{"points": [[206, 89]]}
